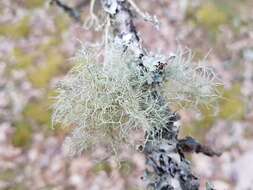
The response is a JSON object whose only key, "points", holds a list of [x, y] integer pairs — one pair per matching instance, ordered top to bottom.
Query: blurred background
{"points": [[37, 42]]}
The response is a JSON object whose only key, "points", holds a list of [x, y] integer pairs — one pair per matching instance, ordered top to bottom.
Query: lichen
{"points": [[189, 84], [108, 97], [100, 98]]}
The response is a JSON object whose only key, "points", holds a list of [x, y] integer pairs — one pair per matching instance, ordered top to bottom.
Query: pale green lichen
{"points": [[188, 83], [102, 97], [105, 98]]}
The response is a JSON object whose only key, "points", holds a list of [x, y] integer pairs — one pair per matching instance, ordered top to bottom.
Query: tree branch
{"points": [[73, 12], [190, 145], [167, 167]]}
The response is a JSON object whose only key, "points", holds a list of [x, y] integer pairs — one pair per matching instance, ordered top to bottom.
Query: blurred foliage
{"points": [[34, 3], [211, 16], [62, 23], [21, 29], [50, 45], [24, 59], [41, 67], [42, 74], [232, 107], [39, 112], [208, 118], [200, 126], [23, 135], [102, 166], [126, 167], [7, 175], [19, 186]]}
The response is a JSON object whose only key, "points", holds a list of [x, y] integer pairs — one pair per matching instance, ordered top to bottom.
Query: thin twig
{"points": [[71, 11], [144, 15]]}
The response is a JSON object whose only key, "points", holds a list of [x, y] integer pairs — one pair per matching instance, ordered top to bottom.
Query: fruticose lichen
{"points": [[108, 94]]}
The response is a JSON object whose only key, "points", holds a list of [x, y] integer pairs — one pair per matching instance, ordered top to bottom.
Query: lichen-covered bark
{"points": [[167, 168]]}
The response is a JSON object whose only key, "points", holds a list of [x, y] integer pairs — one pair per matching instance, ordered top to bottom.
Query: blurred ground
{"points": [[36, 44]]}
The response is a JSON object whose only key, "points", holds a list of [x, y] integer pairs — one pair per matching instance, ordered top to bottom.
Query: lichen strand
{"points": [[188, 83], [103, 99], [106, 101]]}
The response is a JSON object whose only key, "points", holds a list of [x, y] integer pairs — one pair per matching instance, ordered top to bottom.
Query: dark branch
{"points": [[73, 12], [189, 144]]}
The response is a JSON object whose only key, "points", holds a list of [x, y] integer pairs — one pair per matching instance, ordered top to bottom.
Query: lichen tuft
{"points": [[107, 97]]}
